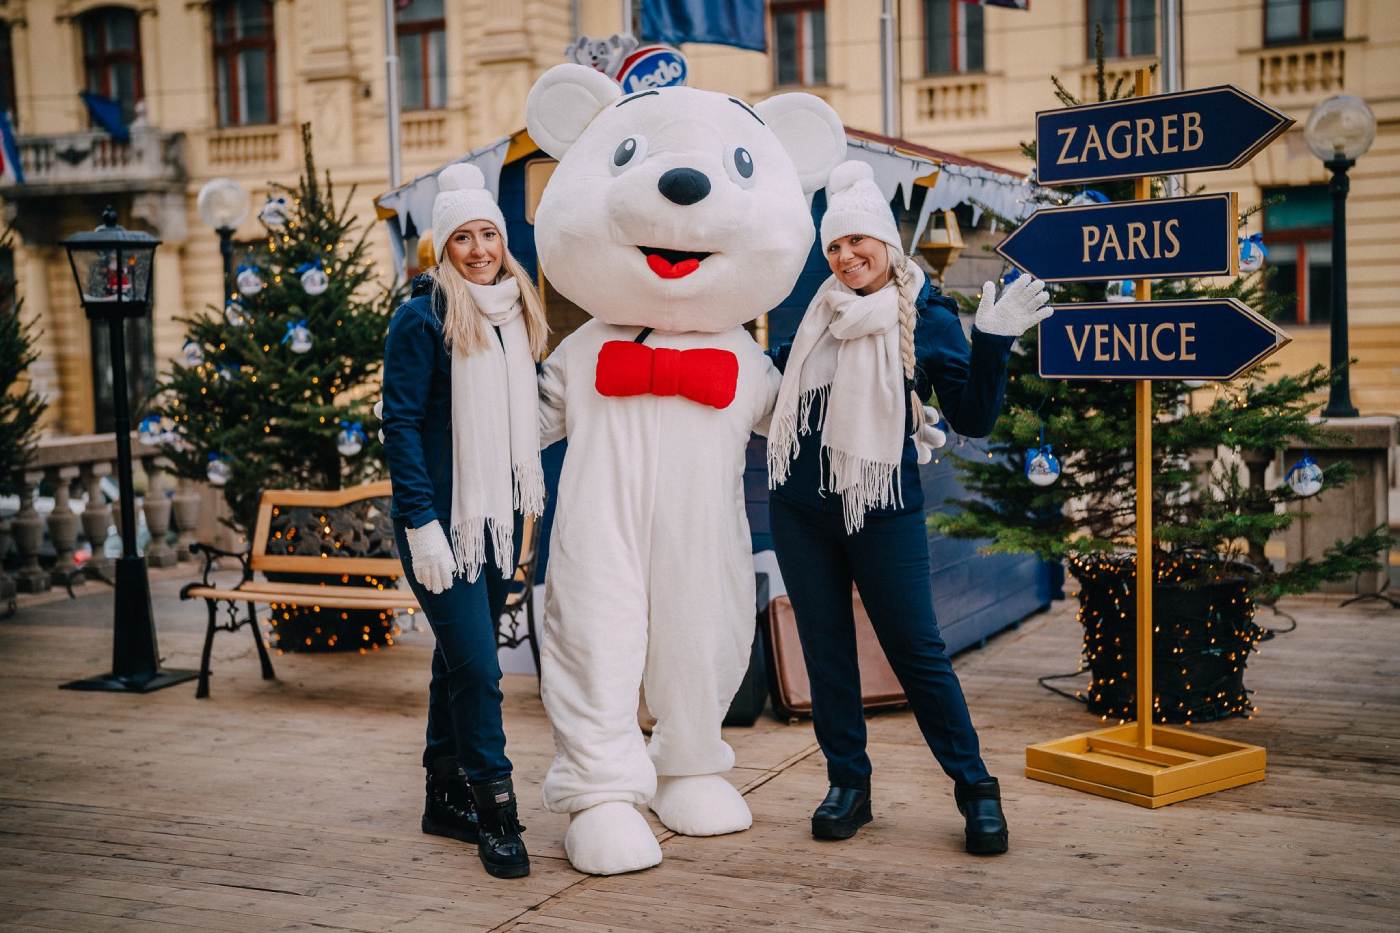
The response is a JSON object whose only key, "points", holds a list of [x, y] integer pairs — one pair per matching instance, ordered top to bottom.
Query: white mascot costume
{"points": [[675, 216]]}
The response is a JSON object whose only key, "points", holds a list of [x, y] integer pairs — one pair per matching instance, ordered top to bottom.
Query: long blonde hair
{"points": [[904, 280], [465, 325]]}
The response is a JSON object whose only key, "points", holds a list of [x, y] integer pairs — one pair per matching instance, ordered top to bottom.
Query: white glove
{"points": [[1022, 305], [379, 413], [927, 437], [431, 555]]}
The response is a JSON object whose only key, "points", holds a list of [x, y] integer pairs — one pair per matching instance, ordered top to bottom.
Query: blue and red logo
{"points": [[651, 67]]}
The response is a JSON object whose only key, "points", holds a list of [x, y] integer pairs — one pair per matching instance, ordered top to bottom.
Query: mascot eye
{"points": [[631, 150], [740, 167]]}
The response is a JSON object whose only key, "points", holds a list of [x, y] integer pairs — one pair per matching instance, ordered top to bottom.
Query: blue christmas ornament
{"points": [[1088, 196], [275, 211], [1252, 252], [1011, 275], [313, 277], [249, 280], [234, 313], [297, 337], [192, 353], [149, 431], [351, 439], [1042, 466], [219, 470], [1304, 477]]}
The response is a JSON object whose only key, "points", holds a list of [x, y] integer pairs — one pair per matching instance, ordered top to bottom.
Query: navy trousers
{"points": [[888, 562], [464, 696]]}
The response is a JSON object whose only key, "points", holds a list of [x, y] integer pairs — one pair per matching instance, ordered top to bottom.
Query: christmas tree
{"points": [[273, 389], [20, 406], [1211, 522]]}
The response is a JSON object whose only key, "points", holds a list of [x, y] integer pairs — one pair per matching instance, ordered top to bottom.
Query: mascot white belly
{"points": [[674, 217]]}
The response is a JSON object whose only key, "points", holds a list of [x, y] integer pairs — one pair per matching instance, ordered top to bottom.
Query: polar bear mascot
{"points": [[675, 216]]}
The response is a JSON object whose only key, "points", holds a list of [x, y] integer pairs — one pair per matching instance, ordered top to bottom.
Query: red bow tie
{"points": [[706, 376]]}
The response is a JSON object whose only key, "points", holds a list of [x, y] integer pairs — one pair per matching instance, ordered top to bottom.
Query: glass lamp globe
{"points": [[1341, 127], [222, 203], [113, 268]]}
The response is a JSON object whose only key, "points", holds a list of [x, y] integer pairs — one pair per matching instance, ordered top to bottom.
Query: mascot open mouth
{"points": [[672, 263]]}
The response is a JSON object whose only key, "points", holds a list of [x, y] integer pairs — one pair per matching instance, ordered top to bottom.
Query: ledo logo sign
{"points": [[651, 67]]}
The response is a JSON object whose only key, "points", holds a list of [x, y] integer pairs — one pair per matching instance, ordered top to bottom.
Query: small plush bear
{"points": [[675, 216]]}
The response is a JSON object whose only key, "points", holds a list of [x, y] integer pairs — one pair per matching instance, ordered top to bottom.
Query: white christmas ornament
{"points": [[275, 211], [1252, 252], [249, 280], [314, 280], [1121, 290], [233, 313], [298, 337], [193, 353], [149, 431], [351, 439], [1042, 466], [219, 471], [1305, 477]]}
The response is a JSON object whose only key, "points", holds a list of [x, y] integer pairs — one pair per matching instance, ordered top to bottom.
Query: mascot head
{"points": [[676, 208]]}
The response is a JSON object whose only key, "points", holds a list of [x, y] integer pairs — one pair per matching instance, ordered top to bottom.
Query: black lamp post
{"points": [[1339, 131], [115, 273]]}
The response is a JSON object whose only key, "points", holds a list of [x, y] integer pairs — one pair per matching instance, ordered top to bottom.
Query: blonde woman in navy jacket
{"points": [[848, 433], [461, 436]]}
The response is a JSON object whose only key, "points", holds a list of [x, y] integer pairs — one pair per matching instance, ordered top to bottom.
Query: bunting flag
{"points": [[1009, 4], [740, 23], [107, 113], [10, 171]]}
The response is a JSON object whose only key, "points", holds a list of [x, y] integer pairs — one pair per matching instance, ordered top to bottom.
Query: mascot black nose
{"points": [[684, 185]]}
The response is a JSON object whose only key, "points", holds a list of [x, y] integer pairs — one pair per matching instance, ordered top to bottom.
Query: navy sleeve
{"points": [[409, 353], [779, 355], [969, 381]]}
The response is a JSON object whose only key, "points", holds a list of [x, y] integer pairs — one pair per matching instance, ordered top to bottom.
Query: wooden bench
{"points": [[337, 536]]}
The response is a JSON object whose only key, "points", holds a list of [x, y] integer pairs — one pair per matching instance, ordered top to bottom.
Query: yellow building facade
{"points": [[217, 98]]}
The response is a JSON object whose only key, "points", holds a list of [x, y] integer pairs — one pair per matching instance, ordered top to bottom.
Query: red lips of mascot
{"points": [[672, 263]]}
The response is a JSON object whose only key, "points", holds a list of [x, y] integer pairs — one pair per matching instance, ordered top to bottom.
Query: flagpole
{"points": [[627, 17], [889, 82], [391, 92]]}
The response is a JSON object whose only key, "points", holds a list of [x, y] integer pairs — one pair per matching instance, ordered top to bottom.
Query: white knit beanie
{"points": [[462, 197], [854, 204]]}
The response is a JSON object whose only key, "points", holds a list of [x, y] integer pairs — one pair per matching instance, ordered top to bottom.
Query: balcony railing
{"points": [[1302, 73], [950, 99], [93, 161]]}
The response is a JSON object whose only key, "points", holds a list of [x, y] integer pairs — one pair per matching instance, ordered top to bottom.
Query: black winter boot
{"points": [[980, 805], [449, 809], [842, 812], [499, 844]]}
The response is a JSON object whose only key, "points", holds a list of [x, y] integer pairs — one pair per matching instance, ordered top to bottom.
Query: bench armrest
{"points": [[212, 554]]}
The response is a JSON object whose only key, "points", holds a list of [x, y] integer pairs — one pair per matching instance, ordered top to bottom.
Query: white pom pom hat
{"points": [[462, 197], [854, 204]]}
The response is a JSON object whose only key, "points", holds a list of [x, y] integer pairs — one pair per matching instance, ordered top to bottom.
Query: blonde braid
{"points": [[904, 285]]}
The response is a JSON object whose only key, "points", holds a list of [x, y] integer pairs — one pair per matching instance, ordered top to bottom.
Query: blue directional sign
{"points": [[1188, 131], [1128, 240], [1200, 338]]}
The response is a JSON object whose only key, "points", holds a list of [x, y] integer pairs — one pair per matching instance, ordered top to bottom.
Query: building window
{"points": [[1303, 20], [1129, 27], [952, 37], [799, 42], [422, 55], [112, 56], [7, 76], [245, 76], [1298, 234]]}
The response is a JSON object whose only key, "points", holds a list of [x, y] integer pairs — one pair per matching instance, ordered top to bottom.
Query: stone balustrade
{"points": [[951, 99], [92, 161], [74, 467]]}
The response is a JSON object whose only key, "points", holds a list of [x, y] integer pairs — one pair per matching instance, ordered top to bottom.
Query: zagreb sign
{"points": [[651, 67], [1189, 131]]}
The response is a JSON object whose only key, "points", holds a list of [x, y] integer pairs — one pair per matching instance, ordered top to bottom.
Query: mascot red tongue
{"points": [[650, 572]]}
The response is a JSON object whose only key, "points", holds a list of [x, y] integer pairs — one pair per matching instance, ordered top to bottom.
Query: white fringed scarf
{"points": [[845, 359], [495, 409]]}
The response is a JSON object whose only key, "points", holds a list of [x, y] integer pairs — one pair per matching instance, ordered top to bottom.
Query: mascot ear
{"points": [[563, 102], [810, 131]]}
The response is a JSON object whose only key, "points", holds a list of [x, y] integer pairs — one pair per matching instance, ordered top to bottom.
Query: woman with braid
{"points": [[849, 430]]}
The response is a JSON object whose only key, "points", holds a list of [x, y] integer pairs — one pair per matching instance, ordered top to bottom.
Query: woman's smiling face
{"points": [[475, 250], [859, 262]]}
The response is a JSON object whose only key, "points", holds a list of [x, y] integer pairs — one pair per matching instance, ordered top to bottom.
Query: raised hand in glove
{"points": [[1022, 305], [927, 437], [431, 556]]}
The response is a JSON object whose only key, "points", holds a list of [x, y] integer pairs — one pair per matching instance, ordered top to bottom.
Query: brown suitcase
{"points": [[788, 685]]}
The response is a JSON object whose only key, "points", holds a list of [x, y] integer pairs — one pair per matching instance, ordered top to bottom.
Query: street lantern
{"points": [[1339, 131], [223, 205], [114, 270]]}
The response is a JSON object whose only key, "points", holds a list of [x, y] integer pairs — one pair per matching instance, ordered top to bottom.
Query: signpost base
{"points": [[1178, 765]]}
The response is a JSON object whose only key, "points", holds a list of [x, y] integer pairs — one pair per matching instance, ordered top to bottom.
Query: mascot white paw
{"points": [[700, 805], [610, 839]]}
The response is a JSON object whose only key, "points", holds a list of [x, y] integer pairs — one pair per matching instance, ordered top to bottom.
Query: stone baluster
{"points": [[156, 505], [185, 505], [97, 515], [63, 525], [29, 536]]}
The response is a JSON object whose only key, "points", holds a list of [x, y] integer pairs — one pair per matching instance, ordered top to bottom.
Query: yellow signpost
{"points": [[1143, 763]]}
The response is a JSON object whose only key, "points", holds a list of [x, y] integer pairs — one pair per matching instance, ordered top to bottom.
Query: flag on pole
{"points": [[739, 23], [107, 113], [10, 171]]}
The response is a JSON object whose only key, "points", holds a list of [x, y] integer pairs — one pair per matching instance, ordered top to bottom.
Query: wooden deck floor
{"points": [[294, 805]]}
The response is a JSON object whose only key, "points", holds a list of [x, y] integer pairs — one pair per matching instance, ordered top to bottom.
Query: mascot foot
{"points": [[700, 805], [610, 839]]}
